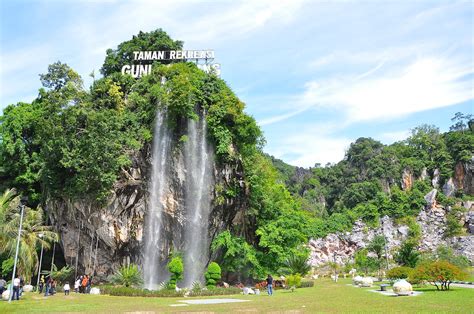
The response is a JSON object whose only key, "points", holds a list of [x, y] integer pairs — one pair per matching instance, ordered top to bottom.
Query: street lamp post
{"points": [[23, 201], [41, 261], [335, 267]]}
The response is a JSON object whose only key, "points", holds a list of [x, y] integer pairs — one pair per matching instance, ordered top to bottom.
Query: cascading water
{"points": [[199, 159], [152, 273]]}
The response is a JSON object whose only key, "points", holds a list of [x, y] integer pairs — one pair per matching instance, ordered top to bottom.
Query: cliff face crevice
{"points": [[103, 237]]}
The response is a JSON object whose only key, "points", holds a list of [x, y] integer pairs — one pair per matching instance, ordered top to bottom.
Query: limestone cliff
{"points": [[99, 238]]}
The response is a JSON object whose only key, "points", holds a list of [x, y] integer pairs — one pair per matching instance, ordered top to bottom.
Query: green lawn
{"points": [[326, 296]]}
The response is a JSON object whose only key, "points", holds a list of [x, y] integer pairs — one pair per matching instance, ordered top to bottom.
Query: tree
{"points": [[152, 41], [59, 76], [461, 122], [34, 232], [377, 246], [408, 255], [364, 262], [176, 268], [213, 274], [439, 274], [127, 276]]}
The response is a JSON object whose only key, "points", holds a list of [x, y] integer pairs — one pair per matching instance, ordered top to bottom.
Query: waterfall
{"points": [[199, 159], [152, 273]]}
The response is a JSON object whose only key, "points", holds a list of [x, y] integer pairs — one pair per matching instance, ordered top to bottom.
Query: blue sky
{"points": [[316, 75]]}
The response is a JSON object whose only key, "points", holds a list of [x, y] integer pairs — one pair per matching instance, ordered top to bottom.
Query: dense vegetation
{"points": [[75, 143], [367, 183]]}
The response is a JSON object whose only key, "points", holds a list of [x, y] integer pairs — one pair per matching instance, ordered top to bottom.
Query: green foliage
{"points": [[153, 41], [454, 226], [34, 232], [446, 253], [408, 254], [237, 255], [364, 262], [298, 264], [7, 266], [176, 268], [402, 272], [213, 274], [439, 274], [60, 275], [127, 276], [293, 281]]}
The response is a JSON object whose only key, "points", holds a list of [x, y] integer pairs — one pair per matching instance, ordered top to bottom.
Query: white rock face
{"points": [[342, 246], [366, 282], [402, 287], [27, 288], [95, 291], [5, 295]]}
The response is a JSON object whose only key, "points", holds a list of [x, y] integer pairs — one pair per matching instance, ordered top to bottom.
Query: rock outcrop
{"points": [[432, 220], [99, 238]]}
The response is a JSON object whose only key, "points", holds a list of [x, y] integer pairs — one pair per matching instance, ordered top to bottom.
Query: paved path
{"points": [[461, 285]]}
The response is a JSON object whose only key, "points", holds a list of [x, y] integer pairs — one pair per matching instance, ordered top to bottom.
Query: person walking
{"points": [[270, 284], [66, 288], [16, 289]]}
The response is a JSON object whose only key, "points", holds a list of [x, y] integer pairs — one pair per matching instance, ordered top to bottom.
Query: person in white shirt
{"points": [[77, 284], [16, 288], [66, 288]]}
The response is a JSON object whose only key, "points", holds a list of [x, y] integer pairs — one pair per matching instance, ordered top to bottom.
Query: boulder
{"points": [[449, 188], [430, 198], [357, 280], [366, 282], [402, 287], [27, 288], [95, 291], [6, 295]]}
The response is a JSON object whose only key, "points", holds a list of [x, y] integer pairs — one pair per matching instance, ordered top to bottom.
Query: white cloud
{"points": [[426, 83]]}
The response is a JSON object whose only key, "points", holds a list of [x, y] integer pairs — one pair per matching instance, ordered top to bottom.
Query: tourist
{"points": [[22, 283], [84, 283], [41, 284], [77, 284], [89, 284], [270, 284], [3, 285], [47, 286], [53, 287], [66, 288], [16, 289]]}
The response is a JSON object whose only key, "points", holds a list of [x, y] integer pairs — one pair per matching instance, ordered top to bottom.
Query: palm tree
{"points": [[34, 232]]}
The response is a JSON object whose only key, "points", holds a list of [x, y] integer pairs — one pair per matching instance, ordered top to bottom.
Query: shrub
{"points": [[298, 264], [176, 268], [400, 273], [213, 274], [439, 274], [127, 276], [293, 281], [307, 284], [215, 291], [134, 292]]}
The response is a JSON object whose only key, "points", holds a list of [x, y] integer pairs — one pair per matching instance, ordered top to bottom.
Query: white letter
{"points": [[135, 53], [126, 69]]}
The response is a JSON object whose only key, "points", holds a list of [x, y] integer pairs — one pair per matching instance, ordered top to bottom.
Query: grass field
{"points": [[325, 296]]}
